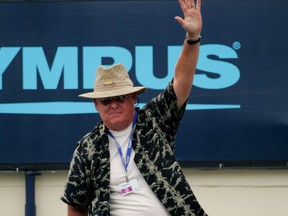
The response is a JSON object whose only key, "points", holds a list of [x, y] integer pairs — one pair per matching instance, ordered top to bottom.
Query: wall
{"points": [[221, 192]]}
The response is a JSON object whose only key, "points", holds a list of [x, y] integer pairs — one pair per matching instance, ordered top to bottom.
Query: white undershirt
{"points": [[139, 203]]}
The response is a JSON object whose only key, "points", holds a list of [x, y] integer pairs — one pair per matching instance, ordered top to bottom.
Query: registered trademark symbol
{"points": [[236, 45]]}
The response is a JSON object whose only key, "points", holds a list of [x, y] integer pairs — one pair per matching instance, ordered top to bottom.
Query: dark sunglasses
{"points": [[107, 101]]}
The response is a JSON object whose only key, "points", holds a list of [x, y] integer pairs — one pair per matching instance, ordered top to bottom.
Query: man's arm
{"points": [[186, 65], [72, 211]]}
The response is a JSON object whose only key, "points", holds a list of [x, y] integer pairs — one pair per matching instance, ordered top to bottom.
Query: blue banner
{"points": [[49, 52]]}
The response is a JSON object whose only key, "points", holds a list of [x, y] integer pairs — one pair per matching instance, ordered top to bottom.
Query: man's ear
{"points": [[134, 97], [95, 104]]}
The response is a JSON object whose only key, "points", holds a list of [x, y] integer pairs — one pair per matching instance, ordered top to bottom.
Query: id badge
{"points": [[129, 187]]}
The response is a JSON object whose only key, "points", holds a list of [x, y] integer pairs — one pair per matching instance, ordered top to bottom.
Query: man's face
{"points": [[117, 112]]}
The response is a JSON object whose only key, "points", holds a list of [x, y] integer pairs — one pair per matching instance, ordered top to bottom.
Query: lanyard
{"points": [[129, 148]]}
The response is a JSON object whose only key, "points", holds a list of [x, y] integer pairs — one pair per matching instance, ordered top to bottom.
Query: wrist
{"points": [[192, 36], [192, 39]]}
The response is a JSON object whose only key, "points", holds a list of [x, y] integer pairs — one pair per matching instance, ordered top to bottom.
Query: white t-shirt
{"points": [[139, 203]]}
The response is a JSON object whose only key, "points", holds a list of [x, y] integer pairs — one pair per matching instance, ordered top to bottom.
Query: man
{"points": [[126, 164]]}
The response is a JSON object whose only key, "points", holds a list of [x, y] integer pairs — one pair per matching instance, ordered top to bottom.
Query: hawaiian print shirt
{"points": [[153, 142]]}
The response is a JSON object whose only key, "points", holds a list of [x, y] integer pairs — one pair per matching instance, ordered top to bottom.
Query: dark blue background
{"points": [[255, 135]]}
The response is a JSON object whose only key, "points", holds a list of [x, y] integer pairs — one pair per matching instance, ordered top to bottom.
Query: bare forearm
{"points": [[186, 65], [185, 70], [72, 211]]}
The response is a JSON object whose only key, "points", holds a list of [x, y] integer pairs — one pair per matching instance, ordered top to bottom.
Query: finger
{"points": [[189, 3], [192, 3], [183, 5], [198, 5], [179, 20]]}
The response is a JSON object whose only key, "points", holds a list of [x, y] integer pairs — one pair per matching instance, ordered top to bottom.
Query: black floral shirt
{"points": [[88, 184]]}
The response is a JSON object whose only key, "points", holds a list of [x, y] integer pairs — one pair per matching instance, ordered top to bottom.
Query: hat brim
{"points": [[113, 93]]}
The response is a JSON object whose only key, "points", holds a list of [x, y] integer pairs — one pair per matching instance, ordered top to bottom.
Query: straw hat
{"points": [[113, 81]]}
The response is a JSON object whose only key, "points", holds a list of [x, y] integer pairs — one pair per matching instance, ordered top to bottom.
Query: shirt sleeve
{"points": [[164, 112], [76, 189]]}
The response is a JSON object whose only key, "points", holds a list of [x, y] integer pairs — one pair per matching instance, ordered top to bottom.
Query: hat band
{"points": [[112, 85]]}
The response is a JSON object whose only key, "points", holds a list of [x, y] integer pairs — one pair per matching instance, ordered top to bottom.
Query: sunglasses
{"points": [[107, 101]]}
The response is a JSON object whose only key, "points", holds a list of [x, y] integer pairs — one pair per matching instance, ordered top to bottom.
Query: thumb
{"points": [[179, 20]]}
